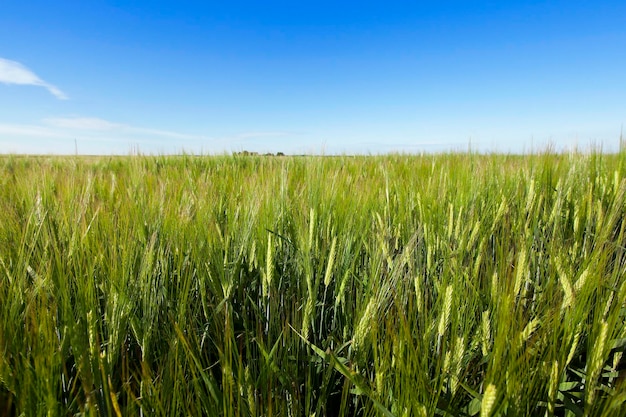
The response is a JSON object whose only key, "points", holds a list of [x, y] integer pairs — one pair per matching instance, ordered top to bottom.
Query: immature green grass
{"points": [[456, 284]]}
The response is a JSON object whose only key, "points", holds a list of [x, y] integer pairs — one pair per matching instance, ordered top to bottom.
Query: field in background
{"points": [[459, 284]]}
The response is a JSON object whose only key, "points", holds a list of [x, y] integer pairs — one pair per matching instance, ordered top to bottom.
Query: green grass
{"points": [[457, 284]]}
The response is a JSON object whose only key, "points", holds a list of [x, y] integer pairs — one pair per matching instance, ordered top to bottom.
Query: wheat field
{"points": [[398, 285]]}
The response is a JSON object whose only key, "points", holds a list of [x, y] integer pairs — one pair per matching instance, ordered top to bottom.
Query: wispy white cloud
{"points": [[12, 72], [81, 123], [94, 124], [26, 131], [165, 133], [61, 134], [92, 135]]}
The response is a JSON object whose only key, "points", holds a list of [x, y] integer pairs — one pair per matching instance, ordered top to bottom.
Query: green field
{"points": [[454, 285]]}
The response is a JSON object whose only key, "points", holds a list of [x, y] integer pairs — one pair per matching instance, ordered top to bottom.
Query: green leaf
{"points": [[618, 343], [353, 377], [568, 386], [569, 405], [474, 407]]}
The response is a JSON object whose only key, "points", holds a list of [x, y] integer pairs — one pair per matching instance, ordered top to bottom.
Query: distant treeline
{"points": [[248, 153]]}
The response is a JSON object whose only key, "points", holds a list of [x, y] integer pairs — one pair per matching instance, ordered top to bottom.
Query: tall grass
{"points": [[454, 284]]}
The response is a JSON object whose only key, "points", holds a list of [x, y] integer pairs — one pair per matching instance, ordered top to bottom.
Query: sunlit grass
{"points": [[458, 284]]}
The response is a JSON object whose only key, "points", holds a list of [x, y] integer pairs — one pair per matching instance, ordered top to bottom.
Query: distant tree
{"points": [[246, 153]]}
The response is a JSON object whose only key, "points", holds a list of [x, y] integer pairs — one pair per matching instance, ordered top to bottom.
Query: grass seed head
{"points": [[450, 220], [311, 228], [331, 260], [269, 267], [520, 272], [580, 282], [417, 283], [494, 287], [568, 293], [445, 315], [306, 318], [363, 327], [528, 330], [486, 333], [573, 347], [595, 363], [553, 385], [489, 401]]}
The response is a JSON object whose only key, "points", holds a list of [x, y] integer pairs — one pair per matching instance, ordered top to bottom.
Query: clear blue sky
{"points": [[310, 77]]}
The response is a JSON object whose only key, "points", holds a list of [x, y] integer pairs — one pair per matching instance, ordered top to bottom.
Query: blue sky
{"points": [[111, 77]]}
